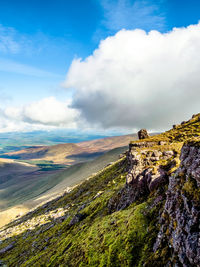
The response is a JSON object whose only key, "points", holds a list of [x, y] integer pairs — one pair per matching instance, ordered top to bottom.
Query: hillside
{"points": [[70, 153], [78, 172], [23, 187], [142, 210]]}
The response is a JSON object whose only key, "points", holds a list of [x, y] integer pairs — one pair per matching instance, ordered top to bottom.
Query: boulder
{"points": [[194, 115], [142, 134], [77, 218]]}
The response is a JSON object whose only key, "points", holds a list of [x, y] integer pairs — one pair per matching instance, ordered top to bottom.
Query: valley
{"points": [[37, 174]]}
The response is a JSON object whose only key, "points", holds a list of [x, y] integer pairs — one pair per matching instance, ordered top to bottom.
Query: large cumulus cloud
{"points": [[137, 79]]}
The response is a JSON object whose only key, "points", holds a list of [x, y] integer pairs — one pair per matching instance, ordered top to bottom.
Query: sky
{"points": [[117, 65]]}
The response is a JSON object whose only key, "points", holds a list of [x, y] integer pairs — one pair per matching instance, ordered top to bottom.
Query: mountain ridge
{"points": [[62, 153], [142, 210]]}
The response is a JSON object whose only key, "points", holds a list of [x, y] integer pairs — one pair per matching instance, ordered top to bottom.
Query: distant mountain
{"points": [[12, 141], [70, 153]]}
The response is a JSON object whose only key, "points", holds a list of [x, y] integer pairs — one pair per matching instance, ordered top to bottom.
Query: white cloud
{"points": [[138, 79], [50, 111], [14, 113], [44, 114], [8, 125]]}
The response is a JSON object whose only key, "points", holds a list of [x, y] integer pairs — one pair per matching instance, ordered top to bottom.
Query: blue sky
{"points": [[40, 39]]}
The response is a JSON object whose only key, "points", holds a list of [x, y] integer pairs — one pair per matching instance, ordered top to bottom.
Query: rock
{"points": [[142, 134], [162, 143], [145, 144], [156, 153], [169, 153], [154, 158], [140, 180], [81, 207], [181, 212], [77, 218], [61, 219], [9, 247]]}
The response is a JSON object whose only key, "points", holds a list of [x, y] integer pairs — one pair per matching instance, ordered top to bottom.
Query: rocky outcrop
{"points": [[142, 134], [145, 174], [180, 220], [178, 240]]}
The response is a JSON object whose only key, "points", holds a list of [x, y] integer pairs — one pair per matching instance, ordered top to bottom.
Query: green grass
{"points": [[103, 237], [122, 238]]}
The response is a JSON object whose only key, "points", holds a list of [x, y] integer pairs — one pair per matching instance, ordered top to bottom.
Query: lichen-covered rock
{"points": [[142, 134], [146, 173], [180, 221]]}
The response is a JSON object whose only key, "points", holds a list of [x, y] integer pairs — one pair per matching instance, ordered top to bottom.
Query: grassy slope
{"points": [[77, 173], [99, 238]]}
